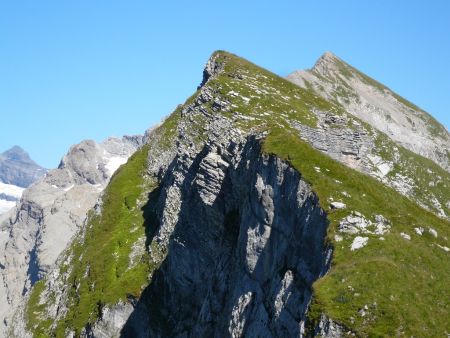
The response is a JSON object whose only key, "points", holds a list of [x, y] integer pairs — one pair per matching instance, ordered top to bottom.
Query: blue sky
{"points": [[72, 70]]}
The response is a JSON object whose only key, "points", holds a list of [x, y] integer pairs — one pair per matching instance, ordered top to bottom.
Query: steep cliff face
{"points": [[258, 208], [50, 212], [245, 247]]}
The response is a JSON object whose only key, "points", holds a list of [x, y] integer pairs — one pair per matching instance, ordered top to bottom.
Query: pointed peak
{"points": [[329, 56], [329, 63], [216, 64], [212, 67], [16, 148], [16, 153]]}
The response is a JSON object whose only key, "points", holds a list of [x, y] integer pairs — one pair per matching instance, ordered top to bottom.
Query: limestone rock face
{"points": [[377, 105], [40, 227]]}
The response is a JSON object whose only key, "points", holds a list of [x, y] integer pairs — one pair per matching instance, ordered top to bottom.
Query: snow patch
{"points": [[114, 163], [11, 190], [5, 206]]}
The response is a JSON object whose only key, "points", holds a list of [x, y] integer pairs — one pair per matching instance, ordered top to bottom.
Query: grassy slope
{"points": [[100, 273], [407, 280]]}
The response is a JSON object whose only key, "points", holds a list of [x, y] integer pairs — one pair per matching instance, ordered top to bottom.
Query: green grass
{"points": [[264, 96], [101, 273], [35, 323]]}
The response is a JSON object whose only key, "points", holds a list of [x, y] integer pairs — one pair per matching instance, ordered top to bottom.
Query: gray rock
{"points": [[365, 133], [244, 236], [327, 328]]}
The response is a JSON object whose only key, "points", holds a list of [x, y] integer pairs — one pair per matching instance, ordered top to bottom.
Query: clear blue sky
{"points": [[71, 70]]}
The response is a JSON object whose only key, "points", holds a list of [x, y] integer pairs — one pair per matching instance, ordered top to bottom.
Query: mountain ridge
{"points": [[239, 185]]}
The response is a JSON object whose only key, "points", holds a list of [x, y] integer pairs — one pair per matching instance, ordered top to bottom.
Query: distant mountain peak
{"points": [[328, 57], [329, 63], [376, 104], [16, 153], [17, 168]]}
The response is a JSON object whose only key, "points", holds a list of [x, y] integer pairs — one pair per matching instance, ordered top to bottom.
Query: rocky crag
{"points": [[259, 208], [50, 212]]}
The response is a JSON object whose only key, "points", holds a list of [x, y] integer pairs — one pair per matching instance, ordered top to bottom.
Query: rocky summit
{"points": [[316, 205]]}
